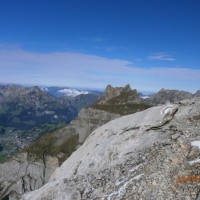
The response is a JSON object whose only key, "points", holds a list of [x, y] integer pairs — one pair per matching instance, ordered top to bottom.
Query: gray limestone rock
{"points": [[134, 157], [22, 175]]}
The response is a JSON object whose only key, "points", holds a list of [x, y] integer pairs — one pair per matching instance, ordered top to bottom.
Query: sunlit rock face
{"points": [[113, 92], [121, 100], [145, 155]]}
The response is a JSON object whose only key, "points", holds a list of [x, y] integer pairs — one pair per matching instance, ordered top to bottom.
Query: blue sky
{"points": [[150, 44]]}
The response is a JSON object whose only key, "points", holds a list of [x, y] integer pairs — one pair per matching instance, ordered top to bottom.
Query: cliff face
{"points": [[112, 92], [88, 120], [146, 155], [21, 175]]}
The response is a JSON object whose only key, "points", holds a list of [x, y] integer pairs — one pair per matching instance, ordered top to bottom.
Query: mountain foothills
{"points": [[28, 112], [113, 156]]}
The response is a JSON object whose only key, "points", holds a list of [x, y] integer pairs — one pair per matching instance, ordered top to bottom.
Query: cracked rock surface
{"points": [[148, 155], [21, 175]]}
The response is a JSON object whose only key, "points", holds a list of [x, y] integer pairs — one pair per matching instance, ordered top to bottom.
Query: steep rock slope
{"points": [[147, 155], [32, 168]]}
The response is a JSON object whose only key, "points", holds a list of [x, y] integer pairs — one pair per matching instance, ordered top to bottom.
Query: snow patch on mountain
{"points": [[44, 89], [72, 92], [145, 97], [195, 144]]}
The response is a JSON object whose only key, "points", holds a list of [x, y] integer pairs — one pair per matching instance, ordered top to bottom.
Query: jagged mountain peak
{"points": [[111, 92], [115, 94], [120, 100]]}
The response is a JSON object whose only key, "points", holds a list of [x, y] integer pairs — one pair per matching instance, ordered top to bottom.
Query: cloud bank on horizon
{"points": [[87, 70]]}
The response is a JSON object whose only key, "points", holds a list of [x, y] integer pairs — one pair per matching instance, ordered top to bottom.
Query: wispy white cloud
{"points": [[93, 39], [98, 39], [111, 48], [161, 57], [78, 69]]}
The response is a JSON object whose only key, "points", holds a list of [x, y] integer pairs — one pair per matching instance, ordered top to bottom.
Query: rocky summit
{"points": [[112, 92], [121, 100], [153, 154]]}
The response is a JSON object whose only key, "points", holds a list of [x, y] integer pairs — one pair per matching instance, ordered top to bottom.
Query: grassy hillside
{"points": [[46, 145]]}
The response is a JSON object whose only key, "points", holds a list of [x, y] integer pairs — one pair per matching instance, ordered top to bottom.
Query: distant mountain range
{"points": [[69, 92], [164, 96], [28, 112]]}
